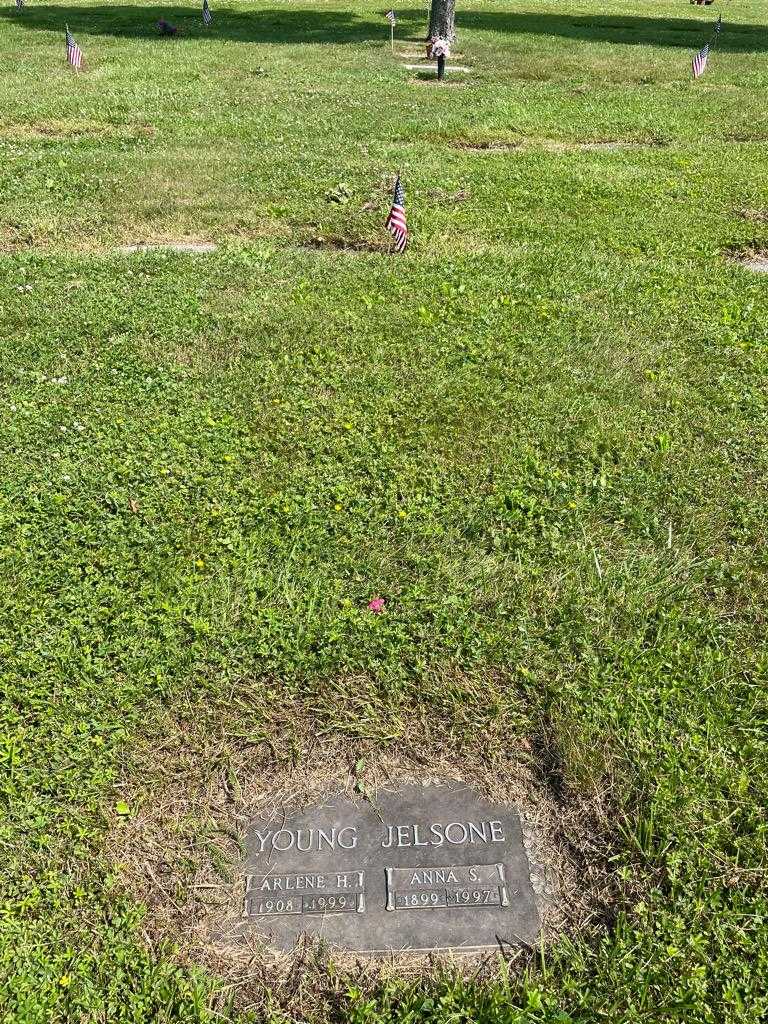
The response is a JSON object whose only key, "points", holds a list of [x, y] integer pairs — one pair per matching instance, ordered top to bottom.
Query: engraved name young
{"points": [[427, 867]]}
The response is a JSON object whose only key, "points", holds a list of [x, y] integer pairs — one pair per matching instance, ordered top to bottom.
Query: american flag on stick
{"points": [[19, 5], [207, 16], [390, 16], [74, 53], [700, 61], [396, 224]]}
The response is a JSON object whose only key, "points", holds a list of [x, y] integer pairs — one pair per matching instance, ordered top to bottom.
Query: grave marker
{"points": [[427, 867]]}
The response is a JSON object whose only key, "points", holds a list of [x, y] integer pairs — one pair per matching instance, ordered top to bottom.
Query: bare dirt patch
{"points": [[758, 138], [552, 145], [594, 145], [486, 146], [752, 215], [339, 243], [751, 257], [759, 264], [192, 789]]}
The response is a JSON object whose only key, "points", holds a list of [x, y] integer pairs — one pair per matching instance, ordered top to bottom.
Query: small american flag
{"points": [[19, 5], [390, 16], [207, 17], [74, 53], [700, 61], [396, 223]]}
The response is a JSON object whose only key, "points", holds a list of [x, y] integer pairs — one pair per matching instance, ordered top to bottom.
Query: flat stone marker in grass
{"points": [[429, 67], [193, 247], [759, 264], [425, 868]]}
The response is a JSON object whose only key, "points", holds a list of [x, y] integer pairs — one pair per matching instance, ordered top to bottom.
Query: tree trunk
{"points": [[442, 16]]}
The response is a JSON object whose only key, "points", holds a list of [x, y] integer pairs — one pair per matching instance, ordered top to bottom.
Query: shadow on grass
{"points": [[310, 26], [630, 31]]}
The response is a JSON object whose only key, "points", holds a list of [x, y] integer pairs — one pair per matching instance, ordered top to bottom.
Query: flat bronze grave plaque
{"points": [[428, 867]]}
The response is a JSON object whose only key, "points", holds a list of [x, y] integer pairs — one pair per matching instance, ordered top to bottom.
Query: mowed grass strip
{"points": [[539, 435]]}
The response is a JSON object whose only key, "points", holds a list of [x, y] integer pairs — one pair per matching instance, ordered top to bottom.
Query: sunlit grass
{"points": [[539, 435]]}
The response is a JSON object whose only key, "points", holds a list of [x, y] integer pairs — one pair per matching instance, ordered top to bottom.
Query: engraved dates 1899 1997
{"points": [[469, 886]]}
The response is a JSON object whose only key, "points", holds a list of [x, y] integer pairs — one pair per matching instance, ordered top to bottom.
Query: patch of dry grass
{"points": [[69, 130], [552, 145], [754, 216], [750, 255], [193, 790]]}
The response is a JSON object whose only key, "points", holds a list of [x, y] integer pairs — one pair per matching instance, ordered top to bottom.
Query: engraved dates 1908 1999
{"points": [[336, 892]]}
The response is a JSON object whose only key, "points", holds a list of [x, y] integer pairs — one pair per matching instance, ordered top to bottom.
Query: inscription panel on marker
{"points": [[362, 874], [469, 886], [308, 893]]}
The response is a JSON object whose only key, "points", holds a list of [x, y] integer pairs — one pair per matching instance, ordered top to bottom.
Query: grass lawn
{"points": [[540, 435]]}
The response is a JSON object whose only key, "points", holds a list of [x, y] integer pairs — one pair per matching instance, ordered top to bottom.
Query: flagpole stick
{"points": [[392, 35]]}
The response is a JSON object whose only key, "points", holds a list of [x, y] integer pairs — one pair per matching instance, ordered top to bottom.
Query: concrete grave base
{"points": [[431, 67], [199, 248], [757, 263]]}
